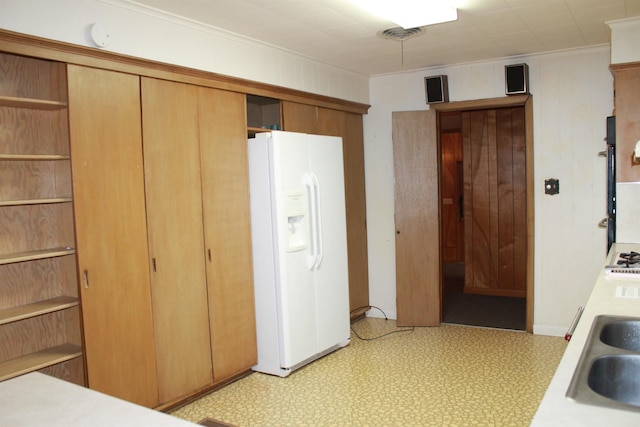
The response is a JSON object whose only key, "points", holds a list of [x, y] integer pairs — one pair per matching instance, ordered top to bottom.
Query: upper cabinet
{"points": [[627, 111], [263, 114], [39, 309]]}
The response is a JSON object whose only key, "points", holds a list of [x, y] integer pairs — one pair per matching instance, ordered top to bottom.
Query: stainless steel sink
{"points": [[623, 334], [608, 372], [616, 377]]}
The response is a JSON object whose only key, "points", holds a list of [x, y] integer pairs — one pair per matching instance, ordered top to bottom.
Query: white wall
{"points": [[148, 34], [572, 95]]}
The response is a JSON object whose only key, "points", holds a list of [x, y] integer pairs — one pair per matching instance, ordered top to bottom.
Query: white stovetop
{"points": [[39, 400], [555, 409]]}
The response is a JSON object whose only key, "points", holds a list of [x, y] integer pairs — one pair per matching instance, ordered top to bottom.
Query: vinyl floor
{"points": [[450, 375]]}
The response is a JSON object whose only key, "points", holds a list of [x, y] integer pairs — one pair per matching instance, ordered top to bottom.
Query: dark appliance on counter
{"points": [[609, 222]]}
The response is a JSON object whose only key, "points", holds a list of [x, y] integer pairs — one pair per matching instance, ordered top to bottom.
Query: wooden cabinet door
{"points": [[627, 105], [298, 117], [349, 127], [415, 162], [108, 187], [495, 201], [227, 226], [176, 242]]}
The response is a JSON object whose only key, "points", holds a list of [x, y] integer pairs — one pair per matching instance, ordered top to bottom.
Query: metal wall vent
{"points": [[401, 34]]}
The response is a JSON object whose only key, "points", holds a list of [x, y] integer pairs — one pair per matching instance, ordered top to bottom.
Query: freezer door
{"points": [[331, 276], [295, 286]]}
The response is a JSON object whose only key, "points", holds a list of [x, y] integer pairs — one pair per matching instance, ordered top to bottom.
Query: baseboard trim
{"points": [[554, 331]]}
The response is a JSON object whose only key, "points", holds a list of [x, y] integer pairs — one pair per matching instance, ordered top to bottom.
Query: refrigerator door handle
{"points": [[318, 221], [313, 254]]}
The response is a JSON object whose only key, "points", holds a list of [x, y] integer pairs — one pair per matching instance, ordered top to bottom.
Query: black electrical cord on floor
{"points": [[409, 329]]}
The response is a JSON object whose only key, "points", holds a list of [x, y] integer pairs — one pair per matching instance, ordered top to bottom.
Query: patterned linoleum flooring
{"points": [[446, 376]]}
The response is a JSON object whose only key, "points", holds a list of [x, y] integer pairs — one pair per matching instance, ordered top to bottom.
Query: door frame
{"points": [[511, 101]]}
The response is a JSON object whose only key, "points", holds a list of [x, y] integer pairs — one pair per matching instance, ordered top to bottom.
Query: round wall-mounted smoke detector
{"points": [[401, 34], [100, 35]]}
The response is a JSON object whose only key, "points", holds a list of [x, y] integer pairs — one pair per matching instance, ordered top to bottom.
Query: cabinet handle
{"points": [[209, 254], [153, 262], [85, 278]]}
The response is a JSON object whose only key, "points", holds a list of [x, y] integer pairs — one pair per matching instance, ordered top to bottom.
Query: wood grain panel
{"points": [[32, 78], [627, 106], [298, 117], [33, 131], [494, 144], [415, 160], [506, 175], [34, 179], [520, 202], [356, 208], [452, 225], [111, 226], [227, 226], [33, 227], [176, 240], [23, 283], [37, 333], [71, 370]]}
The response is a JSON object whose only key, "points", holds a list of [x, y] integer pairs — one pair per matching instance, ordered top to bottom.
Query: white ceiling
{"points": [[338, 33]]}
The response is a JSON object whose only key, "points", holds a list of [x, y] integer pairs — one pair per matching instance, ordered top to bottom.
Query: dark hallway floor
{"points": [[478, 310]]}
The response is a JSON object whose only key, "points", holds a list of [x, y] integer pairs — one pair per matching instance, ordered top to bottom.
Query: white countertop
{"points": [[39, 400], [555, 409]]}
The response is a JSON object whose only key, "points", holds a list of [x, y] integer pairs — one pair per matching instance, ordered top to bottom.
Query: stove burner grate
{"points": [[628, 259], [626, 265]]}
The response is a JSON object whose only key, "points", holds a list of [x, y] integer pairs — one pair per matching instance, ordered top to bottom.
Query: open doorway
{"points": [[417, 210], [483, 217]]}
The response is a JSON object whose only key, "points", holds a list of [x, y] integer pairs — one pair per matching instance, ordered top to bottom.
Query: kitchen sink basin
{"points": [[623, 334], [608, 372], [616, 377]]}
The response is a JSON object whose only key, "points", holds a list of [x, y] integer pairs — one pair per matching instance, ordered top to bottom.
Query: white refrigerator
{"points": [[298, 225]]}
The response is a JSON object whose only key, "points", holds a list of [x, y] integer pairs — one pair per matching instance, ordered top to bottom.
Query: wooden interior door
{"points": [[415, 162], [108, 186], [495, 187], [227, 226], [176, 240]]}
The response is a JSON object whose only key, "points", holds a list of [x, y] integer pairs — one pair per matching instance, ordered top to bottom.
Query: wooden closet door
{"points": [[415, 163], [108, 187], [495, 194], [227, 225], [176, 242]]}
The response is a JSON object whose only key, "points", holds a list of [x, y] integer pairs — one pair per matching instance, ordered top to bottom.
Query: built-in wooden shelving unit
{"points": [[39, 305]]}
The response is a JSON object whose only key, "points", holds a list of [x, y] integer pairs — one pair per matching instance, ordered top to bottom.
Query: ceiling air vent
{"points": [[401, 34]]}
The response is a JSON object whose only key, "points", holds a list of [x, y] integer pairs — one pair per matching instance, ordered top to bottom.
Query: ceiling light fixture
{"points": [[411, 13]]}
